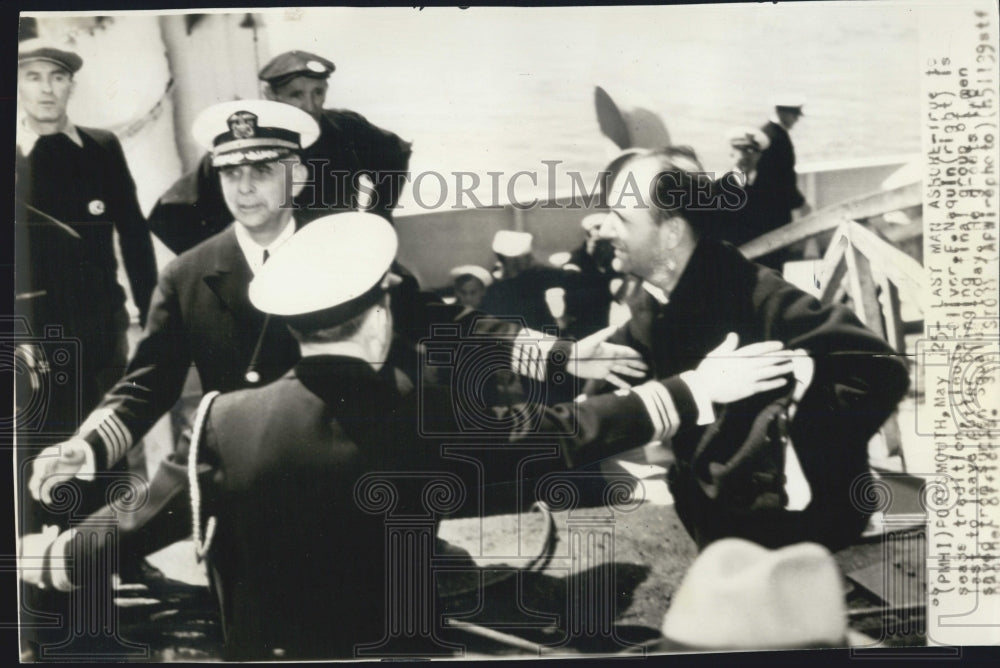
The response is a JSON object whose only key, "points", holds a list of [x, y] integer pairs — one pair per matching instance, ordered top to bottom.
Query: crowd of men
{"points": [[307, 391]]}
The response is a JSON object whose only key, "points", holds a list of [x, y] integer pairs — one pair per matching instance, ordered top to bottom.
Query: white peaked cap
{"points": [[329, 263]]}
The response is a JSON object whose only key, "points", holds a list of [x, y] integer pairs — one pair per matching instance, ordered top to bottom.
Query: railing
{"points": [[860, 265]]}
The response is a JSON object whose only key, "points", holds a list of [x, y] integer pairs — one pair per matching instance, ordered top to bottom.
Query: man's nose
{"points": [[313, 106], [246, 181]]}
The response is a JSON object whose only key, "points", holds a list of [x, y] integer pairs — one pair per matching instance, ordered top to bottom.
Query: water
{"points": [[501, 89]]}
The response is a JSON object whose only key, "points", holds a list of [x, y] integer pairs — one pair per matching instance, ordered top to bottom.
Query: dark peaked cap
{"points": [[37, 49], [286, 66]]}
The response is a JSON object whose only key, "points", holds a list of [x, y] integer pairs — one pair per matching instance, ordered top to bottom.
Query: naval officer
{"points": [[349, 150], [776, 177], [200, 314], [300, 565]]}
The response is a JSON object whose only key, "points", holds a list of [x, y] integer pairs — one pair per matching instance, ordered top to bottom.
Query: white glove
{"points": [[728, 373], [58, 463], [31, 552]]}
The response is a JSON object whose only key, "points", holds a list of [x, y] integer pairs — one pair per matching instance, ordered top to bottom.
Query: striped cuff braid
{"points": [[530, 353], [669, 404], [108, 436]]}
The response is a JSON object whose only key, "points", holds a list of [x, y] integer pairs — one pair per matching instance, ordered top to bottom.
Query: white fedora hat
{"points": [[738, 595]]}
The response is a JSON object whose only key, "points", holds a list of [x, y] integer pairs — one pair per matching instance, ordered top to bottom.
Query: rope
{"points": [[129, 129], [200, 546]]}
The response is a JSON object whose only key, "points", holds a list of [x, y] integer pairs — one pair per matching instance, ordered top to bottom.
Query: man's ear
{"points": [[268, 92], [672, 230]]}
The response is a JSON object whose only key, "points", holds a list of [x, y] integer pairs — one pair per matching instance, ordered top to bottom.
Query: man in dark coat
{"points": [[348, 147], [776, 178], [76, 179], [747, 210], [588, 280], [520, 289], [702, 291]]}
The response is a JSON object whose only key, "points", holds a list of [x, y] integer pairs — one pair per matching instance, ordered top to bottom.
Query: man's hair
{"points": [[681, 186], [341, 332]]}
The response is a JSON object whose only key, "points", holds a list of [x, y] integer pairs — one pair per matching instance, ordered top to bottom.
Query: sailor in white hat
{"points": [[776, 175], [470, 284], [521, 285]]}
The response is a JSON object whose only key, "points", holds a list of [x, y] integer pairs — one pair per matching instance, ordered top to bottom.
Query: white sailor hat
{"points": [[31, 50], [789, 101], [247, 131], [747, 137], [512, 244], [331, 270], [475, 271]]}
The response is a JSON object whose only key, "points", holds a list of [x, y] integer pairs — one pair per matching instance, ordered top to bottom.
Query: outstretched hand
{"points": [[594, 357], [730, 373], [55, 464]]}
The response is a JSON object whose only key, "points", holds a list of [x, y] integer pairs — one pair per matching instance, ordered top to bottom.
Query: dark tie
{"points": [[266, 255]]}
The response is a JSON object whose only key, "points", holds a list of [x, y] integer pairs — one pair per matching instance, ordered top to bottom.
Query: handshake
{"points": [[727, 374]]}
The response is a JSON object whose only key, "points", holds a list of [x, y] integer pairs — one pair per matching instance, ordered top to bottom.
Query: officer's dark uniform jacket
{"points": [[776, 180], [193, 209], [200, 314], [857, 383], [296, 562]]}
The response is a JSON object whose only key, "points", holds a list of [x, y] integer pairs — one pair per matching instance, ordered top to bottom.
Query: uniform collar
{"points": [[27, 137], [253, 251], [713, 271], [346, 381]]}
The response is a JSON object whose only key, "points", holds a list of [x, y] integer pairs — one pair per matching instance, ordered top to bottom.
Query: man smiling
{"points": [[704, 300]]}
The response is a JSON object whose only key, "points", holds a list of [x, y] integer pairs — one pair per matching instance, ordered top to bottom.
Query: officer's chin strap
{"points": [[200, 545]]}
